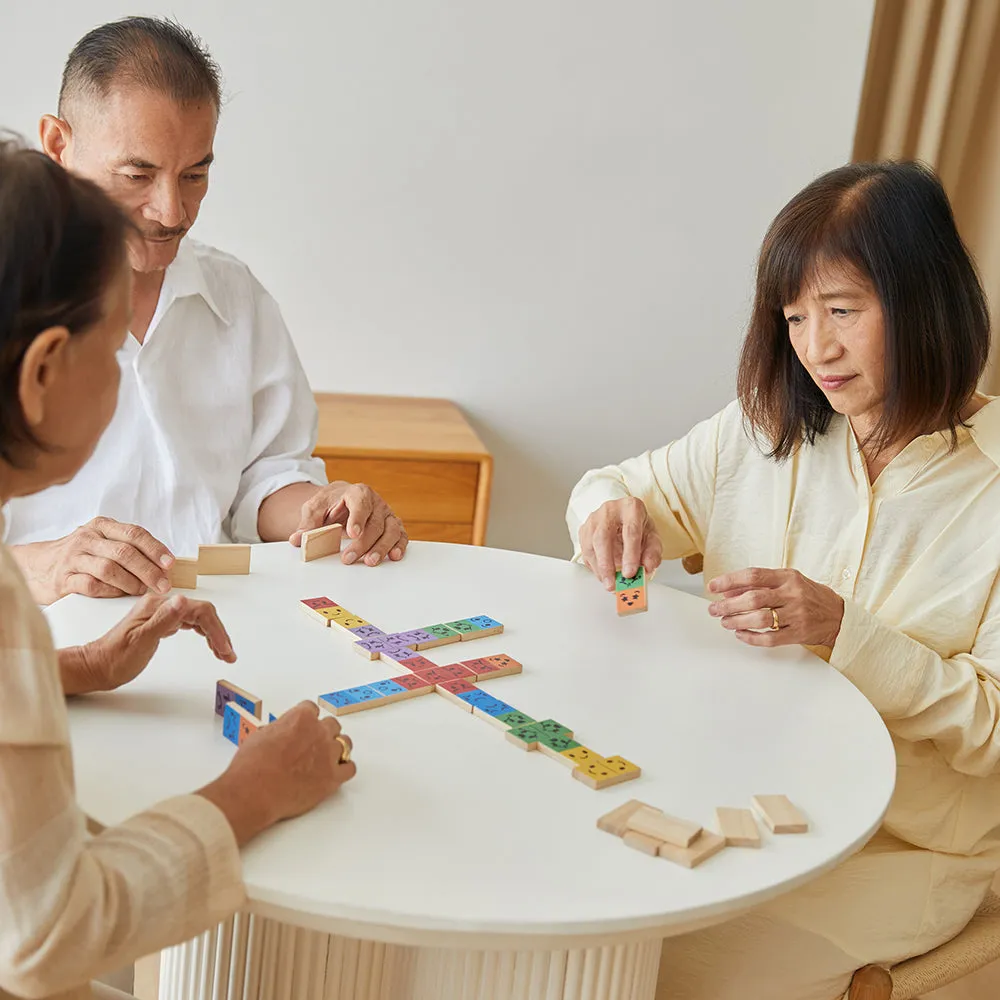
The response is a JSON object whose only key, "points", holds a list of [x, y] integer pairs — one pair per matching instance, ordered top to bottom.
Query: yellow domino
{"points": [[576, 756], [622, 766]]}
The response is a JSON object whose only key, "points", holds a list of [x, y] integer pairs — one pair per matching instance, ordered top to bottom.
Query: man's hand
{"points": [[374, 532], [620, 534], [103, 558], [807, 612], [123, 653]]}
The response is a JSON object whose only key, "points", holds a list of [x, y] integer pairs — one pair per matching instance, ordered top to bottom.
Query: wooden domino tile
{"points": [[321, 542], [223, 560], [183, 574], [630, 593], [319, 608], [346, 621], [486, 625], [465, 628], [440, 635], [412, 638], [402, 655], [489, 667], [449, 672], [414, 683], [391, 690], [226, 691], [452, 691], [355, 699], [514, 720], [238, 723], [553, 728], [525, 737], [556, 746], [575, 756], [604, 773], [779, 814], [616, 821], [654, 823], [738, 827], [640, 842], [704, 846]]}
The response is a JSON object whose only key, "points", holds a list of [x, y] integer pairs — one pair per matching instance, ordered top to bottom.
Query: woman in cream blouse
{"points": [[849, 501], [73, 907]]}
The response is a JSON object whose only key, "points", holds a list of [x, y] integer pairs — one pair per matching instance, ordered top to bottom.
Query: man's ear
{"points": [[55, 135], [39, 376]]}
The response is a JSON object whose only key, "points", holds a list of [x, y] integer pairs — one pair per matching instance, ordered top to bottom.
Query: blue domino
{"points": [[484, 621], [386, 687], [363, 692], [341, 698], [486, 703], [271, 717], [231, 724]]}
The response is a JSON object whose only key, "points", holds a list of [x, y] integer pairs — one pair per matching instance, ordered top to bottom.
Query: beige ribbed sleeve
{"points": [[75, 906]]}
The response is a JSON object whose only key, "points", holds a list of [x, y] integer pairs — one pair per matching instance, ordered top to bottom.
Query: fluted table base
{"points": [[252, 958]]}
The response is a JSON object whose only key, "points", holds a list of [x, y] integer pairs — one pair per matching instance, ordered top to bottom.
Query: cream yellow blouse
{"points": [[915, 557], [74, 906]]}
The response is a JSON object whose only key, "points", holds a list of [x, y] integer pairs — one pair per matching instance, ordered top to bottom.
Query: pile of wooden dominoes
{"points": [[648, 829]]}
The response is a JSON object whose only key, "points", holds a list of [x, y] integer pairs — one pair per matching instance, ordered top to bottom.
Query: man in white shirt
{"points": [[215, 428]]}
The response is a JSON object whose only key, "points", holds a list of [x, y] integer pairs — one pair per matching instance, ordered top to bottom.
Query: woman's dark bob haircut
{"points": [[891, 225], [61, 242]]}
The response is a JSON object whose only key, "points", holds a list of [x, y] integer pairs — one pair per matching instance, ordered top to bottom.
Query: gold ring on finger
{"points": [[775, 625], [345, 752]]}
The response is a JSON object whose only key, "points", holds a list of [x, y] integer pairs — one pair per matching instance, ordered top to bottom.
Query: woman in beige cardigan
{"points": [[849, 501], [75, 907]]}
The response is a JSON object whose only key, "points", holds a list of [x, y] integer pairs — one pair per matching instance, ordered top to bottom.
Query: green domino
{"points": [[630, 582], [439, 631], [515, 720], [552, 728], [526, 734], [558, 743]]}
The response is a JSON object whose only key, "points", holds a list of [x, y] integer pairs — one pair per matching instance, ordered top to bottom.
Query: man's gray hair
{"points": [[150, 52]]}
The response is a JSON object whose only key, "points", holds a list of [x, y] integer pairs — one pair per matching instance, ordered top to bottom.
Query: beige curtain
{"points": [[932, 92]]}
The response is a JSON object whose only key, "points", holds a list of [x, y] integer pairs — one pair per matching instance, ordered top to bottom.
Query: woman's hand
{"points": [[620, 534], [807, 612], [123, 653], [282, 770]]}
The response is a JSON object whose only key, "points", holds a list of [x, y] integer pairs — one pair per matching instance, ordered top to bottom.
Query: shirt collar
{"points": [[185, 276], [985, 429]]}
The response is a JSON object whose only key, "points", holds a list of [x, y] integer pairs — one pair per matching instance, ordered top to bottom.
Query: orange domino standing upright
{"points": [[630, 593]]}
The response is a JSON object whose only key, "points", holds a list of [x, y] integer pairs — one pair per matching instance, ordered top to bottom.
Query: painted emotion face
{"points": [[630, 598]]}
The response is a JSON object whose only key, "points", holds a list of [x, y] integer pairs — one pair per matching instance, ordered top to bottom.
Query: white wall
{"points": [[546, 210]]}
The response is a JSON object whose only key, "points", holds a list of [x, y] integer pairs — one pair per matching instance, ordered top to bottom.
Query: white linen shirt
{"points": [[214, 415]]}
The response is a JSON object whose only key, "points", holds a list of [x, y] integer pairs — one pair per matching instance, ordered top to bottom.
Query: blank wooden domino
{"points": [[321, 542], [223, 560], [183, 574], [226, 691], [779, 814], [616, 821], [653, 823], [738, 827], [640, 842], [705, 845]]}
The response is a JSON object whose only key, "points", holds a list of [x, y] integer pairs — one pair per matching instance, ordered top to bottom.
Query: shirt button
{"points": [[846, 574]]}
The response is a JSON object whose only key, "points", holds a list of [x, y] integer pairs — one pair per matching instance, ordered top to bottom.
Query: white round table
{"points": [[456, 865]]}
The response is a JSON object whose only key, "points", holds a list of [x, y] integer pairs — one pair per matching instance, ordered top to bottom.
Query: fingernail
{"points": [[355, 531], [396, 554], [350, 557], [373, 559], [166, 560], [163, 586]]}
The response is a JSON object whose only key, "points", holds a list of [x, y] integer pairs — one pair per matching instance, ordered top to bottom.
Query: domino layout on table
{"points": [[630, 593], [456, 682]]}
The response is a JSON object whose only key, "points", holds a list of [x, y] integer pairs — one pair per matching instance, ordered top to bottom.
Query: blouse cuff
{"points": [[878, 660]]}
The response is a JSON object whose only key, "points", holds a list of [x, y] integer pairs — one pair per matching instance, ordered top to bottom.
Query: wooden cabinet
{"points": [[420, 454]]}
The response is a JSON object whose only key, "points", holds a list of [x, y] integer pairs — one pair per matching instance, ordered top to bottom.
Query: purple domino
{"points": [[367, 632], [409, 638], [398, 653]]}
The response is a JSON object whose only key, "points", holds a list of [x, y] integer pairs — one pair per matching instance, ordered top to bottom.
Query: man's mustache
{"points": [[159, 233]]}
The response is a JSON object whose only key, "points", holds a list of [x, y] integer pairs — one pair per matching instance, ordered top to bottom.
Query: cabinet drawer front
{"points": [[416, 490], [431, 531]]}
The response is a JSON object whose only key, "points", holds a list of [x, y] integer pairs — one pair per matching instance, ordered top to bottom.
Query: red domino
{"points": [[318, 602], [418, 664], [451, 672], [412, 682], [459, 686]]}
